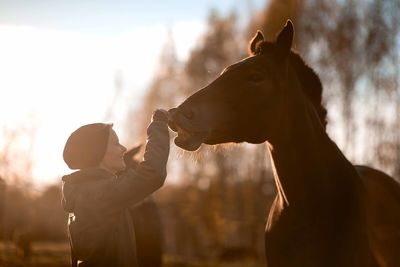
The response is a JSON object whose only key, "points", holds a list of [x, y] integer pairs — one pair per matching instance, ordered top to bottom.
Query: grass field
{"points": [[49, 254], [43, 255]]}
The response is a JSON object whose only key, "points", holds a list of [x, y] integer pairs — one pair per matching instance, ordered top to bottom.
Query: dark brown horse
{"points": [[327, 212]]}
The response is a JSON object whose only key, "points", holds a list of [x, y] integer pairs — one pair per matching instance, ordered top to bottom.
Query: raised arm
{"points": [[135, 185]]}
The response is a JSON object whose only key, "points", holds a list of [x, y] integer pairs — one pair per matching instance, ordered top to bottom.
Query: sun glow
{"points": [[55, 81]]}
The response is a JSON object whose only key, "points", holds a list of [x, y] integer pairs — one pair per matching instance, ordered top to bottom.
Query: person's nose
{"points": [[123, 149]]}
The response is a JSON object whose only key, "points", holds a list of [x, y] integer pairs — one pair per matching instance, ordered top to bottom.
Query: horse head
{"points": [[244, 104]]}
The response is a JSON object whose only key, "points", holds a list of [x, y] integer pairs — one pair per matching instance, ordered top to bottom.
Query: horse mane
{"points": [[310, 82], [311, 85]]}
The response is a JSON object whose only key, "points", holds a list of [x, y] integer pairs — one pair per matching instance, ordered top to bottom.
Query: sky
{"points": [[59, 60]]}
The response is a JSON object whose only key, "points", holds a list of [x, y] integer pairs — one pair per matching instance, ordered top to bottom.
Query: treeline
{"points": [[352, 45], [33, 217]]}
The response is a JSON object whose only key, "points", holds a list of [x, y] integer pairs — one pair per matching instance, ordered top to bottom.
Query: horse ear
{"points": [[285, 38], [254, 42]]}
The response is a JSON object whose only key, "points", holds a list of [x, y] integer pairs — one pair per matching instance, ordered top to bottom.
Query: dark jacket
{"points": [[100, 225]]}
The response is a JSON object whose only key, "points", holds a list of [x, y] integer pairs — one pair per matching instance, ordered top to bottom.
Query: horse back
{"points": [[383, 215]]}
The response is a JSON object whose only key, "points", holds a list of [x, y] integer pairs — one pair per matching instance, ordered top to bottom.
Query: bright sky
{"points": [[58, 61]]}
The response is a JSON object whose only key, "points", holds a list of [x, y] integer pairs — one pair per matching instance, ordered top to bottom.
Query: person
{"points": [[98, 198]]}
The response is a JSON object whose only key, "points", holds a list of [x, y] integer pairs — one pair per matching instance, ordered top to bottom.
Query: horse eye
{"points": [[255, 77]]}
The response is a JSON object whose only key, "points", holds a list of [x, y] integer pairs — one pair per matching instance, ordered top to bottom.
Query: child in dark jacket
{"points": [[100, 225]]}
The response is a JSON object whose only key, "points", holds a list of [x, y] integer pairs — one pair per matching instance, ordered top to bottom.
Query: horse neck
{"points": [[306, 162]]}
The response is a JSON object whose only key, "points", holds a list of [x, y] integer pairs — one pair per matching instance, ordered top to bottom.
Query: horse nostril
{"points": [[188, 113]]}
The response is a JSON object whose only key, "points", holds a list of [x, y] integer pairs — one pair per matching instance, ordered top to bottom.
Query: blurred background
{"points": [[67, 63]]}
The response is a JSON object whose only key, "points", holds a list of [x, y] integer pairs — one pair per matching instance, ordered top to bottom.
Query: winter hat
{"points": [[86, 146]]}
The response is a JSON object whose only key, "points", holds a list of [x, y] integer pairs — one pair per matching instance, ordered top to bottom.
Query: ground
{"points": [[53, 254]]}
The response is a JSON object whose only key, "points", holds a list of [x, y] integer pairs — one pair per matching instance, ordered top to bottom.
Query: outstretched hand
{"points": [[160, 115]]}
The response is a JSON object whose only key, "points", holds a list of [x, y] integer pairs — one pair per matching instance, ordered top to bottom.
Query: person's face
{"points": [[113, 160]]}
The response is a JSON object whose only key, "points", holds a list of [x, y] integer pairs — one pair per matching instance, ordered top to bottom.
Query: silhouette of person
{"points": [[98, 196]]}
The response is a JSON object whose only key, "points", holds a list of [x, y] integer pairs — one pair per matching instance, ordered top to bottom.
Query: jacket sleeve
{"points": [[135, 185]]}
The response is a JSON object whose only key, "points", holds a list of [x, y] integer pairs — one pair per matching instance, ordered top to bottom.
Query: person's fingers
{"points": [[160, 115]]}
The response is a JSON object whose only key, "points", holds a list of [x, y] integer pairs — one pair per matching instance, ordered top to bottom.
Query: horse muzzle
{"points": [[189, 138]]}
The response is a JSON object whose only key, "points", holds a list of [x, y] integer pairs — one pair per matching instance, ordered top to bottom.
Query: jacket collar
{"points": [[87, 175]]}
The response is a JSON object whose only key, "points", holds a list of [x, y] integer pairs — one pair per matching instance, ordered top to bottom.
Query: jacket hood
{"points": [[72, 182]]}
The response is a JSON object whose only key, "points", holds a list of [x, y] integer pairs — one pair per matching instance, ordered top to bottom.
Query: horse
{"points": [[327, 212], [146, 221]]}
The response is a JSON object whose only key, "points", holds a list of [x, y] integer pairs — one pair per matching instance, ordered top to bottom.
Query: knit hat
{"points": [[86, 146]]}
